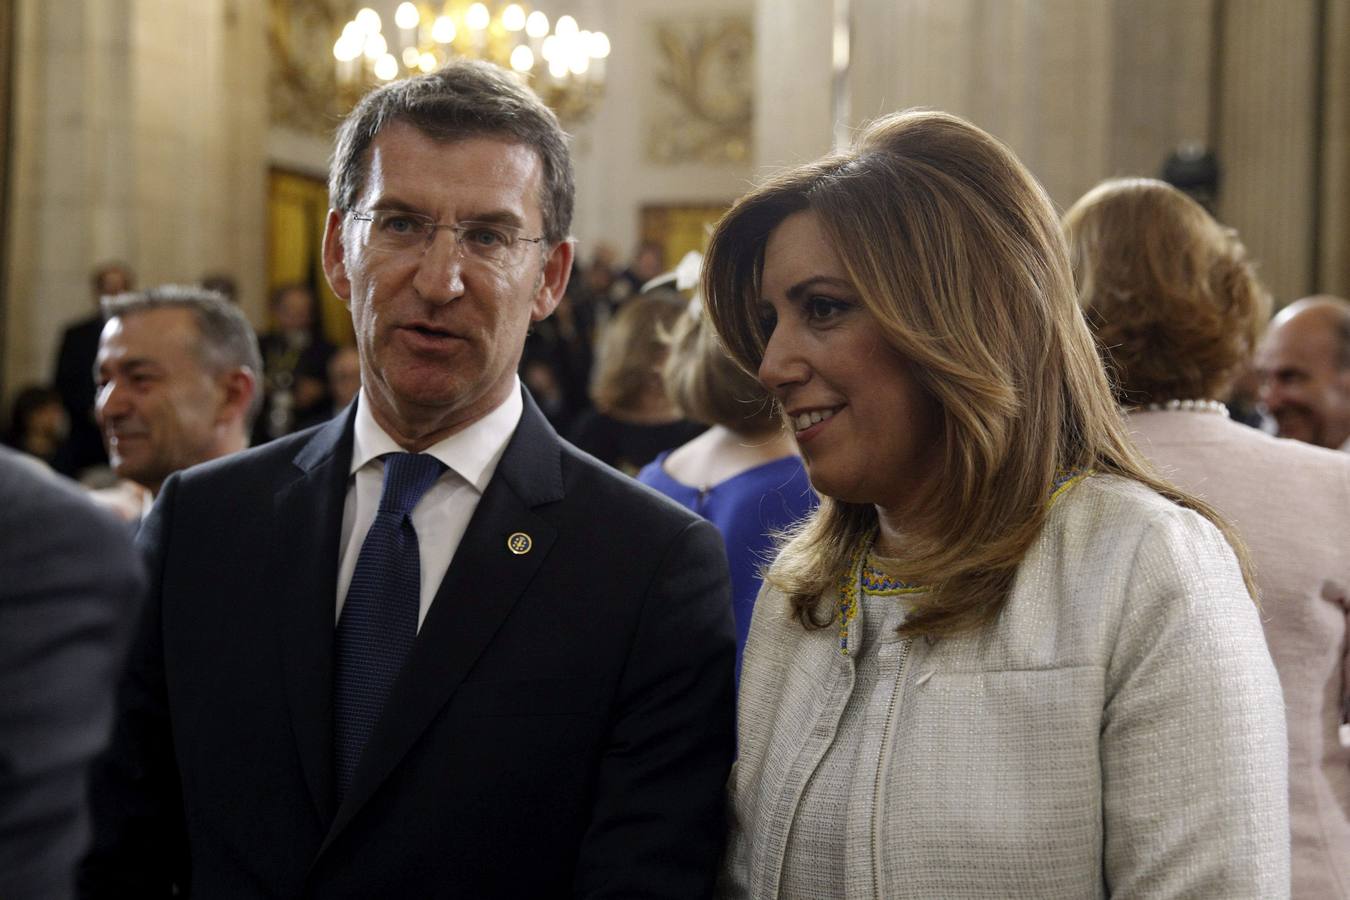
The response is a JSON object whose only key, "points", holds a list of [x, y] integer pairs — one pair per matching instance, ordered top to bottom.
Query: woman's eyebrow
{"points": [[799, 290]]}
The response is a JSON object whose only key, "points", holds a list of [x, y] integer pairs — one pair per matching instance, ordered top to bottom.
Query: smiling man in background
{"points": [[1304, 366], [177, 381]]}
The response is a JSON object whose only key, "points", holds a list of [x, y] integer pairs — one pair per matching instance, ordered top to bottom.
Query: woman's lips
{"points": [[807, 424]]}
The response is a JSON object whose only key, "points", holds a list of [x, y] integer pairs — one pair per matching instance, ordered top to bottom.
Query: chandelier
{"points": [[565, 66]]}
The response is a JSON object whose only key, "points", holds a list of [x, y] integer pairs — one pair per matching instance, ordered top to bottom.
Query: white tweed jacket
{"points": [[1118, 732]]}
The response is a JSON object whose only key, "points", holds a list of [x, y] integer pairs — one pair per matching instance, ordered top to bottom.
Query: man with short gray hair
{"points": [[177, 374]]}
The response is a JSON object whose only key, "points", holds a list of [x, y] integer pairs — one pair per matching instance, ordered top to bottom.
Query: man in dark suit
{"points": [[74, 378], [70, 585], [427, 649]]}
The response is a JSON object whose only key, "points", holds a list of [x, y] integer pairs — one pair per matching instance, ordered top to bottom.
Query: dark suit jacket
{"points": [[74, 381], [70, 585], [563, 726]]}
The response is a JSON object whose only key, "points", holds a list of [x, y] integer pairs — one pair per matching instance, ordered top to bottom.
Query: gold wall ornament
{"points": [[302, 89], [704, 105], [679, 227]]}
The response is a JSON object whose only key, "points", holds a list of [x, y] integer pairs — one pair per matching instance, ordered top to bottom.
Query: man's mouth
{"points": [[426, 330], [117, 437]]}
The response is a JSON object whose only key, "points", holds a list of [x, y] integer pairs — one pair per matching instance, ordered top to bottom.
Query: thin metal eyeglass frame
{"points": [[455, 228]]}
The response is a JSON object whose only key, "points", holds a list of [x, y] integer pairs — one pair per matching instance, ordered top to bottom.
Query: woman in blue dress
{"points": [[744, 473]]}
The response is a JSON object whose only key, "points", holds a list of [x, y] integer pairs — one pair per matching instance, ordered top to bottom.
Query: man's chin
{"points": [[1297, 431]]}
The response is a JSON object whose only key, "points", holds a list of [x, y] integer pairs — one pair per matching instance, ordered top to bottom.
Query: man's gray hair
{"points": [[464, 99], [225, 338]]}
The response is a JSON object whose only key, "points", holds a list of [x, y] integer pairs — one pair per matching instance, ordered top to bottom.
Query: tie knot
{"points": [[407, 476]]}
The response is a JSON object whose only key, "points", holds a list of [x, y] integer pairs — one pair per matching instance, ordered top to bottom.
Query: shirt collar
{"points": [[472, 452]]}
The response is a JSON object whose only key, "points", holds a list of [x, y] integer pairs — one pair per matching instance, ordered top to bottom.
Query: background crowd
{"points": [[1081, 562]]}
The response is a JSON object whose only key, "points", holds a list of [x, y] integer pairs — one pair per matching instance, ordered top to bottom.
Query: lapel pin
{"points": [[519, 543]]}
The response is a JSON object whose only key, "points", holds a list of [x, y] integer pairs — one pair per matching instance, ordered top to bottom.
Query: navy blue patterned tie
{"points": [[379, 620]]}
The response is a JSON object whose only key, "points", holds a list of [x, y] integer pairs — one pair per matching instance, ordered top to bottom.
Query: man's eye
{"points": [[398, 225], [485, 236]]}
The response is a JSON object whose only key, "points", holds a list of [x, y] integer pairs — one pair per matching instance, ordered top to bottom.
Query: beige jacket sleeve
{"points": [[1194, 794]]}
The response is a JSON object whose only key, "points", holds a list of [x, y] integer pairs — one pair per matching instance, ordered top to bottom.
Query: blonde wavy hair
{"points": [[957, 253], [1174, 301], [631, 351], [709, 387]]}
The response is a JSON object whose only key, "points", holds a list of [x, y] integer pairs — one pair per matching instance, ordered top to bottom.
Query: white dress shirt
{"points": [[442, 515]]}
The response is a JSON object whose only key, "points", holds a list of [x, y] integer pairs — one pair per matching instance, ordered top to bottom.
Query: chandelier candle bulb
{"points": [[513, 17], [406, 18], [368, 20], [536, 25], [443, 32], [376, 46], [522, 60], [386, 67]]}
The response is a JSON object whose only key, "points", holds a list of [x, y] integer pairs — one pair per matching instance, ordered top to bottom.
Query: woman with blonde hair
{"points": [[1178, 310], [633, 419], [743, 474], [1003, 658]]}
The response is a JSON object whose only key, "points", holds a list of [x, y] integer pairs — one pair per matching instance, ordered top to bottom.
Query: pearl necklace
{"points": [[1209, 406]]}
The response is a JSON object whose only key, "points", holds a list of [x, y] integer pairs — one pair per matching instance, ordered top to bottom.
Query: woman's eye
{"points": [[822, 308], [767, 319]]}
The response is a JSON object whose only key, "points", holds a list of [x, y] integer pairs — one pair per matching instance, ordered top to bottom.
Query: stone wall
{"points": [[1087, 89], [139, 133]]}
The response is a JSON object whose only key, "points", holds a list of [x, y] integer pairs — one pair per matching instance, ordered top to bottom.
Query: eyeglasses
{"points": [[395, 231]]}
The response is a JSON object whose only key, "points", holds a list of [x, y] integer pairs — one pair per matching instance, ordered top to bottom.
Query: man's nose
{"points": [[440, 271], [1269, 393], [110, 402]]}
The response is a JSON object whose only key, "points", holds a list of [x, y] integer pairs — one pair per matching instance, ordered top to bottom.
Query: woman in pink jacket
{"points": [[1177, 310]]}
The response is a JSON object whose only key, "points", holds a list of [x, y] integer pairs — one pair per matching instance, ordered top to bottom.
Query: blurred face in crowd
{"points": [[112, 281], [294, 310], [440, 330], [344, 376], [1303, 385], [159, 408], [49, 422], [868, 432]]}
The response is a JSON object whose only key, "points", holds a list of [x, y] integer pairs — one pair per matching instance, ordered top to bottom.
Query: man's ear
{"points": [[335, 257], [552, 281], [1343, 379], [238, 387]]}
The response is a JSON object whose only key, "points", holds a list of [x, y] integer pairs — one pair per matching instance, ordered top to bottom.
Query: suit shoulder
{"points": [[254, 462], [612, 493], [33, 495], [55, 517]]}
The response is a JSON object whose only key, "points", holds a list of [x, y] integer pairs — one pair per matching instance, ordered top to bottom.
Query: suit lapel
{"points": [[304, 566], [482, 586]]}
